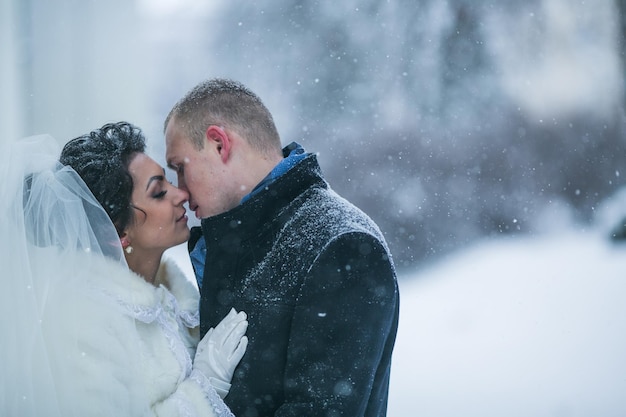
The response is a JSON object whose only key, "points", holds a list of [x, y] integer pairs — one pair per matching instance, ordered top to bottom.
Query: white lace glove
{"points": [[221, 349]]}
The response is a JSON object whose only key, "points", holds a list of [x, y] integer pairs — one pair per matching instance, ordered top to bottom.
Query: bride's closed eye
{"points": [[160, 188], [160, 194]]}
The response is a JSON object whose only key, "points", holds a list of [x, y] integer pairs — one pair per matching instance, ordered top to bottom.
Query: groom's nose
{"points": [[181, 182]]}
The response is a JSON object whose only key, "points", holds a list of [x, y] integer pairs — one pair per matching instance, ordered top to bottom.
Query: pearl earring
{"points": [[129, 249]]}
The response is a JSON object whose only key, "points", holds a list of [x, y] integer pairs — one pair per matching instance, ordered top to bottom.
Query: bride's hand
{"points": [[221, 349]]}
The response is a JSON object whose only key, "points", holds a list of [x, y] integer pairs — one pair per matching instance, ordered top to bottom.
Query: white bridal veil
{"points": [[48, 219]]}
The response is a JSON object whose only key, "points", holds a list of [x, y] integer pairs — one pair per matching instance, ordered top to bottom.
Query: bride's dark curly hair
{"points": [[101, 158]]}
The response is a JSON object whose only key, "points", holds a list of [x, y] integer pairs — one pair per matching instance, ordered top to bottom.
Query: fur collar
{"points": [[142, 300]]}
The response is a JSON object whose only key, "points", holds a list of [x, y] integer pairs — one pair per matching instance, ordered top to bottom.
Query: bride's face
{"points": [[160, 220]]}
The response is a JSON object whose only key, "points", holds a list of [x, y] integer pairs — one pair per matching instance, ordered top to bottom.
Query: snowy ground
{"points": [[527, 327]]}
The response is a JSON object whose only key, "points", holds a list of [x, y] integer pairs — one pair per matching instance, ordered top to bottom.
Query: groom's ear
{"points": [[219, 139]]}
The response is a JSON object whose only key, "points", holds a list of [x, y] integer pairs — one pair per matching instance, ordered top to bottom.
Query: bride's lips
{"points": [[181, 218]]}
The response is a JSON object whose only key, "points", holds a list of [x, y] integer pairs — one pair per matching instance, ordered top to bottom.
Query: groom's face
{"points": [[200, 172]]}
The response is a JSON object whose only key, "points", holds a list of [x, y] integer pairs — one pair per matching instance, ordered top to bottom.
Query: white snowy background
{"points": [[532, 326], [527, 327]]}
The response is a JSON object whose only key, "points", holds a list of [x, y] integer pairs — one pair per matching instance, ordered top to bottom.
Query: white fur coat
{"points": [[120, 346]]}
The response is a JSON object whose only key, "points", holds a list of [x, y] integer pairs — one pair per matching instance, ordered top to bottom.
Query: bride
{"points": [[95, 322]]}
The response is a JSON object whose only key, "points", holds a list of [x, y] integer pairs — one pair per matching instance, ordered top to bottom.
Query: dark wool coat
{"points": [[316, 279]]}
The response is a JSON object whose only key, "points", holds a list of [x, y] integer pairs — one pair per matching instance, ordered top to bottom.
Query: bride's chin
{"points": [[184, 237]]}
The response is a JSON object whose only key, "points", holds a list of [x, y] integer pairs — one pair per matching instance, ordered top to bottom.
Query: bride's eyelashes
{"points": [[162, 193], [159, 195]]}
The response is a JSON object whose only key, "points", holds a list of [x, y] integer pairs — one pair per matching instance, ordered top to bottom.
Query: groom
{"points": [[312, 271]]}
